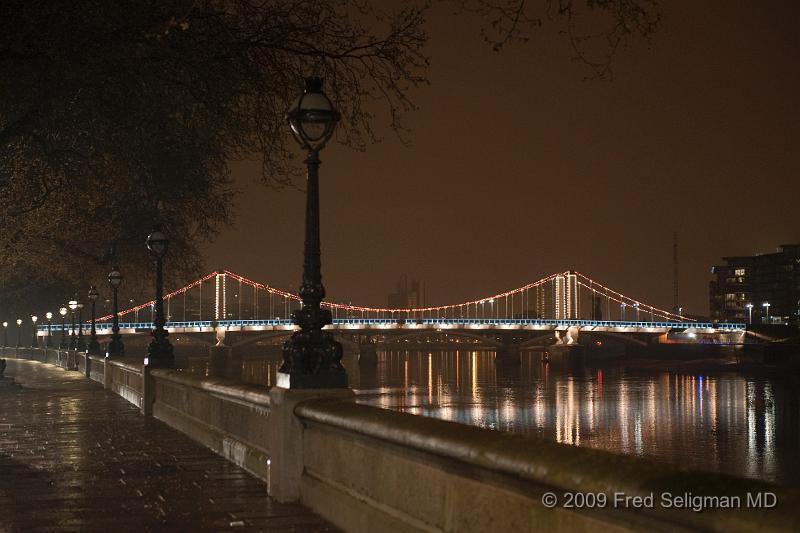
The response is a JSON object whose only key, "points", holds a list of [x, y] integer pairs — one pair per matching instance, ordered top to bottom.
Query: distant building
{"points": [[744, 285], [407, 295]]}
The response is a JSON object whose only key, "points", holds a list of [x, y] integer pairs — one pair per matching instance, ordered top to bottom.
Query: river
{"points": [[745, 424]]}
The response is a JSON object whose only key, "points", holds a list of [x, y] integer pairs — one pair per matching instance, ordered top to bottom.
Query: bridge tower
{"points": [[559, 293], [220, 296], [565, 297]]}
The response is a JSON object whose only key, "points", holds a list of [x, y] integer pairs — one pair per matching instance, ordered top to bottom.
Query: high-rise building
{"points": [[763, 288], [407, 295]]}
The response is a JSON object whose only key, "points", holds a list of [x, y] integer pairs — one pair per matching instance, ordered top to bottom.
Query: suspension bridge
{"points": [[226, 309]]}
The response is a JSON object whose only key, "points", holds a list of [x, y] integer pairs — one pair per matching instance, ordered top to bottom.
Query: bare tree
{"points": [[117, 114]]}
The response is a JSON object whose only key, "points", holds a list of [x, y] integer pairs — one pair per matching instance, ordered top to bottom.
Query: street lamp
{"points": [[73, 305], [766, 305], [63, 312], [749, 313], [49, 317], [19, 330], [5, 334], [34, 340], [80, 345], [94, 346], [115, 347], [159, 353], [312, 358]]}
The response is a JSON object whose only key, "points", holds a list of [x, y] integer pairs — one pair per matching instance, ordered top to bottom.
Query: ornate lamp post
{"points": [[73, 306], [63, 312], [49, 317], [19, 331], [5, 334], [34, 339], [80, 345], [94, 346], [115, 347], [159, 353], [312, 358]]}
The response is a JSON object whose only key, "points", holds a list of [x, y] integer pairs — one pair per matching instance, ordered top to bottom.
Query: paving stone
{"points": [[75, 457]]}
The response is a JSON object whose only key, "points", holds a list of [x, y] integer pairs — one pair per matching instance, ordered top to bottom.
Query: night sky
{"points": [[519, 167]]}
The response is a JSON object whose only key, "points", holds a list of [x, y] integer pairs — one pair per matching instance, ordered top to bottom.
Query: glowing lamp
{"points": [[312, 117], [157, 242], [115, 277]]}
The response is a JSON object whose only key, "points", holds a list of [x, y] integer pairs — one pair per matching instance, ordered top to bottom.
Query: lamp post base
{"points": [[94, 347], [115, 348], [160, 354], [312, 360]]}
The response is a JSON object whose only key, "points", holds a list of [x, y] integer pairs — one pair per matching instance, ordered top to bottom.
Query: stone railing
{"points": [[233, 419], [367, 469]]}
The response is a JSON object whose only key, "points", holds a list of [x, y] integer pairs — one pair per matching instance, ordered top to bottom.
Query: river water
{"points": [[727, 421]]}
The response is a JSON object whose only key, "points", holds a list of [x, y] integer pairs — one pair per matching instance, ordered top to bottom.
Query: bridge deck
{"points": [[423, 323], [74, 457]]}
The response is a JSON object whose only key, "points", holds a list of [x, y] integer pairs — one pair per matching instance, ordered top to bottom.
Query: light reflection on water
{"points": [[729, 422]]}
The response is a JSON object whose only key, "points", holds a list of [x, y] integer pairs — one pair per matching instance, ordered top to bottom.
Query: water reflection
{"points": [[744, 425]]}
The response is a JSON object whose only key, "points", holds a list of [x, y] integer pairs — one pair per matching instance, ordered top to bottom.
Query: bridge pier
{"points": [[566, 352], [508, 353], [367, 354]]}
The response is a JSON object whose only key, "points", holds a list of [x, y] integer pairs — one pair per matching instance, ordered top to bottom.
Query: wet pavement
{"points": [[74, 457]]}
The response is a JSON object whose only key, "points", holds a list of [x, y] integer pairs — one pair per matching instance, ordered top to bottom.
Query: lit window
{"points": [[740, 272]]}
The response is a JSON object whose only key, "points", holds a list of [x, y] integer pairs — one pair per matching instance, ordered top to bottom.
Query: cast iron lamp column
{"points": [[73, 305], [63, 312], [19, 331], [5, 334], [34, 339], [49, 342], [80, 345], [94, 346], [115, 347], [160, 352], [312, 358]]}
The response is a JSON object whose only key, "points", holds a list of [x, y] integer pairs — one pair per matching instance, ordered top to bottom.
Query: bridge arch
{"points": [[463, 334]]}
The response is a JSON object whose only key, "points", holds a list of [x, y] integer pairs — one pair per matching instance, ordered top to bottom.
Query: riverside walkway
{"points": [[75, 457]]}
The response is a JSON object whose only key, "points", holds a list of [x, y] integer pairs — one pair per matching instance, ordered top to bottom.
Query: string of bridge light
{"points": [[623, 299], [630, 301], [151, 303], [652, 310]]}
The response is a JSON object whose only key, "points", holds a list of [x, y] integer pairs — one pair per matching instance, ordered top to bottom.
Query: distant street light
{"points": [[766, 305], [73, 306], [63, 312], [749, 313], [49, 317], [19, 331], [5, 334], [34, 340], [80, 345], [94, 346], [115, 347], [160, 351], [312, 358]]}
